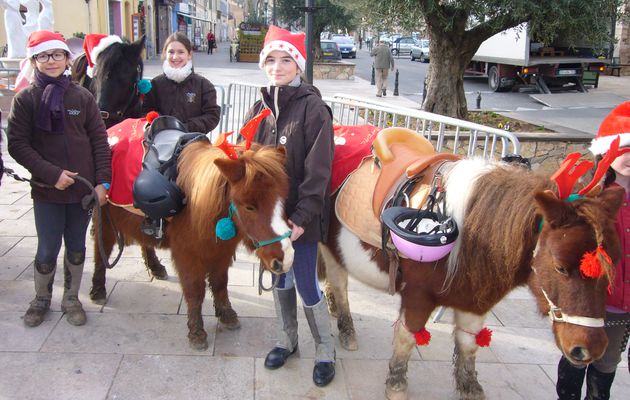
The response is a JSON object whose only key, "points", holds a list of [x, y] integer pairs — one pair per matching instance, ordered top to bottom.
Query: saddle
{"points": [[403, 154], [154, 190]]}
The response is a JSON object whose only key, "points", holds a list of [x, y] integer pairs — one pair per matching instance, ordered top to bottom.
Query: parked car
{"points": [[402, 45], [346, 46], [330, 50], [420, 51]]}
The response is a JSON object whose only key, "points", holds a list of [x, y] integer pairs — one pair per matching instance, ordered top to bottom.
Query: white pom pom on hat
{"points": [[617, 123]]}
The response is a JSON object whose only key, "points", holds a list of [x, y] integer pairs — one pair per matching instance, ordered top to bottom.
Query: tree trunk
{"points": [[449, 56]]}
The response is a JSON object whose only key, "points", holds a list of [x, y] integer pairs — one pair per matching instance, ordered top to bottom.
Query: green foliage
{"points": [[330, 17], [79, 35]]}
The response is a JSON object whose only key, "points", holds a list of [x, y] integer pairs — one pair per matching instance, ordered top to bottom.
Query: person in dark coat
{"points": [[180, 92], [302, 123], [56, 132]]}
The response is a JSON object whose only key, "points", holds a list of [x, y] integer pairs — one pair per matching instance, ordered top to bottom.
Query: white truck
{"points": [[511, 57]]}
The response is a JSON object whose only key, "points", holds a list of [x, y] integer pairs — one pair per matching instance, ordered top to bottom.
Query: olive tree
{"points": [[456, 29]]}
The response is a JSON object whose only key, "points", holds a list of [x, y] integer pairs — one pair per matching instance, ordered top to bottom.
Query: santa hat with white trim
{"points": [[281, 39], [40, 41], [94, 44], [617, 123]]}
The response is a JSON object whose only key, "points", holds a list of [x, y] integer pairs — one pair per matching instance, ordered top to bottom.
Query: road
{"points": [[574, 113]]}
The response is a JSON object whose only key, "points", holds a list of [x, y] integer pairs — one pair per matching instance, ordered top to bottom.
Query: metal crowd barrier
{"points": [[7, 77], [447, 134]]}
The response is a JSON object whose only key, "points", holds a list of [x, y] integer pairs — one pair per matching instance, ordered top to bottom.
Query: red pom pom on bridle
{"points": [[151, 115], [590, 265], [423, 337], [483, 337]]}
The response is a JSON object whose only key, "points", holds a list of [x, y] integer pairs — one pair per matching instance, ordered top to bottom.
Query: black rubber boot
{"points": [[319, 322], [570, 380], [598, 384]]}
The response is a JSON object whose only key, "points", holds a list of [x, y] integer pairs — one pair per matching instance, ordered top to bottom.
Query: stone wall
{"points": [[333, 70], [547, 151]]}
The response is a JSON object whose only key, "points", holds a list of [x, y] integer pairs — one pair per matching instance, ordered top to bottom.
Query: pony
{"points": [[118, 70], [250, 190], [514, 229]]}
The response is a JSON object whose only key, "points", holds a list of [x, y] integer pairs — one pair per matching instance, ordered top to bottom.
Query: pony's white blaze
{"points": [[460, 182], [280, 227], [358, 261]]}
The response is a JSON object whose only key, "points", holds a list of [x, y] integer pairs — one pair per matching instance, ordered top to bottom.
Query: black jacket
{"points": [[193, 101], [301, 122]]}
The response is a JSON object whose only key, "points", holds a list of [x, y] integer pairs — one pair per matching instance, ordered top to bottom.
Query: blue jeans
{"points": [[56, 221], [303, 274]]}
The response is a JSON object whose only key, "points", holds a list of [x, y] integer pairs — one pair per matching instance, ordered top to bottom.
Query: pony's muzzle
{"points": [[276, 266], [580, 354]]}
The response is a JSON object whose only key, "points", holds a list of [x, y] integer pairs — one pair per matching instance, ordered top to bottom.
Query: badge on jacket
{"points": [[190, 96], [283, 140]]}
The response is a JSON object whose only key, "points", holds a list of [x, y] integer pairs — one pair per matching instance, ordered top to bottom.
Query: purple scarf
{"points": [[50, 117]]}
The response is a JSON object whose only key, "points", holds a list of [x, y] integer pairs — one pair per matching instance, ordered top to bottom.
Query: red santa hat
{"points": [[283, 40], [40, 41], [94, 44], [617, 123]]}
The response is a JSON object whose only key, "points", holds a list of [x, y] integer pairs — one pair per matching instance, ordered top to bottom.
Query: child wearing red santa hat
{"points": [[302, 123], [56, 132], [601, 373]]}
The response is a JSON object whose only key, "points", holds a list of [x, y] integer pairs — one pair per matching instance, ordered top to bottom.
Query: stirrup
{"points": [[153, 227]]}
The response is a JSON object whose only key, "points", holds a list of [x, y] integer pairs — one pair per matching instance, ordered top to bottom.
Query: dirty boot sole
{"points": [[35, 316]]}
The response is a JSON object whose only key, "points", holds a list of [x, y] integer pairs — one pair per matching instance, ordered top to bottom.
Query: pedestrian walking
{"points": [[212, 41], [383, 62], [302, 123], [56, 132]]}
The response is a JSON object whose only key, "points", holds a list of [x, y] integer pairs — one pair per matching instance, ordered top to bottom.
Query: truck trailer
{"points": [[512, 58]]}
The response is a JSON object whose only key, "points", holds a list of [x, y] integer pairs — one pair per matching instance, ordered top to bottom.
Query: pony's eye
{"points": [[250, 208], [561, 270]]}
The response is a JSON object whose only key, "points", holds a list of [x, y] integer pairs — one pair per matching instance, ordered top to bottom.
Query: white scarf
{"points": [[177, 74]]}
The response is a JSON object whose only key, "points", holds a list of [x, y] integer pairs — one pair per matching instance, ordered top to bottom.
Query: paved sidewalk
{"points": [[135, 346]]}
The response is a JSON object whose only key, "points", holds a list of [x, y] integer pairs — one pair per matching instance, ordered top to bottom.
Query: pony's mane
{"points": [[110, 60], [202, 182], [206, 188], [499, 224]]}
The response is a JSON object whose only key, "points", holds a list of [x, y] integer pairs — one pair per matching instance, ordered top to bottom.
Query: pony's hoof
{"points": [[159, 272], [98, 295], [198, 342], [349, 342], [391, 394]]}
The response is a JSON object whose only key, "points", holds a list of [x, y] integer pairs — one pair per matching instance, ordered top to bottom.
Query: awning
{"points": [[193, 17]]}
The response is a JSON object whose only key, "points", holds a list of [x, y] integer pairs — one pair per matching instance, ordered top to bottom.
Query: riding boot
{"points": [[72, 273], [44, 277], [285, 301], [319, 322], [570, 380], [598, 384]]}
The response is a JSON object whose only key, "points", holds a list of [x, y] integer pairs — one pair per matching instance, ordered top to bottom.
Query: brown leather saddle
{"points": [[404, 154]]}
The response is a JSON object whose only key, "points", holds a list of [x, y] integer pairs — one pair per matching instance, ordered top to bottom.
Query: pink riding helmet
{"points": [[420, 235]]}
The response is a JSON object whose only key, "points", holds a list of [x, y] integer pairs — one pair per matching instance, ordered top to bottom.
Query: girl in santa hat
{"points": [[180, 92], [302, 123], [56, 132], [601, 373]]}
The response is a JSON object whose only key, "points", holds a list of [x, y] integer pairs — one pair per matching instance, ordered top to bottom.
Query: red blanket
{"points": [[125, 140], [352, 144]]}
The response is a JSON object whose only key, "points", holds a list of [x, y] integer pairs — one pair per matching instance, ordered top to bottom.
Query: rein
{"points": [[85, 203]]}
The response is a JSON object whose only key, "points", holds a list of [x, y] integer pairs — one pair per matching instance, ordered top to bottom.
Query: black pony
{"points": [[118, 70]]}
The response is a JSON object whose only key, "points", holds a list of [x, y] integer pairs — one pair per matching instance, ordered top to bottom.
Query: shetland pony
{"points": [[118, 70], [251, 190], [513, 231]]}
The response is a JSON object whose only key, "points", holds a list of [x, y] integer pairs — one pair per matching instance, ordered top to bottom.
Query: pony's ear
{"points": [[135, 48], [233, 170], [612, 198], [553, 209]]}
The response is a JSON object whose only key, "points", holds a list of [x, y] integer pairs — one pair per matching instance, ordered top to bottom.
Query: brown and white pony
{"points": [[255, 185], [498, 208]]}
